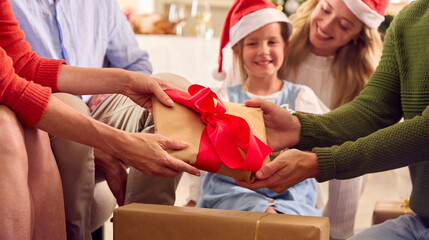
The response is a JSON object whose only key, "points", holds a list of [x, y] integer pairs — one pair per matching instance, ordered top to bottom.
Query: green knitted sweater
{"points": [[364, 136]]}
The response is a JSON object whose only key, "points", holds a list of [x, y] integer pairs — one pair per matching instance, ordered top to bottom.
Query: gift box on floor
{"points": [[214, 136], [385, 210], [159, 222]]}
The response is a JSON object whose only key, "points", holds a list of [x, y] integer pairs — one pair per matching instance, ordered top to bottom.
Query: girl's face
{"points": [[332, 25], [263, 51]]}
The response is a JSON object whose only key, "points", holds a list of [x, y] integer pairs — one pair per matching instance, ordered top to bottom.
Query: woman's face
{"points": [[332, 25], [263, 51]]}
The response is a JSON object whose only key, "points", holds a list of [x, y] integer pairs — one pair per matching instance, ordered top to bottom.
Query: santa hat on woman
{"points": [[370, 12], [244, 17]]}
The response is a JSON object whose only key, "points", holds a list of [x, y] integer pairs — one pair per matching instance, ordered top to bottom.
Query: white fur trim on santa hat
{"points": [[362, 11], [255, 20], [220, 76]]}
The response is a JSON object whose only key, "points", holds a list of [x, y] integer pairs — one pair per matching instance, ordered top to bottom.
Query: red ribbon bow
{"points": [[223, 133]]}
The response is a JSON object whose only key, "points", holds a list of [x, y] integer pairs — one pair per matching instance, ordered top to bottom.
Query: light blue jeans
{"points": [[405, 227]]}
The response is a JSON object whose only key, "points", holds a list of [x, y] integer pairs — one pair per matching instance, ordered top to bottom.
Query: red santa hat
{"points": [[370, 12], [244, 17]]}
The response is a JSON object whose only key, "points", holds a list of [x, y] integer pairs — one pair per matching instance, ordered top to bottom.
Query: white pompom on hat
{"points": [[370, 12], [244, 17]]}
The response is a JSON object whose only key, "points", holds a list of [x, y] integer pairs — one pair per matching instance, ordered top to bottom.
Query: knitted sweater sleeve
{"points": [[27, 98], [363, 136]]}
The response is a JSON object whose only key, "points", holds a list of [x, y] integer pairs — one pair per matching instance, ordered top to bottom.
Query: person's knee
{"points": [[174, 79], [74, 102], [7, 117], [10, 127], [12, 136], [39, 151], [73, 157]]}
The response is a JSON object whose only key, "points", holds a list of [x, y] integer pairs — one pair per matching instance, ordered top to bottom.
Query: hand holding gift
{"points": [[224, 138]]}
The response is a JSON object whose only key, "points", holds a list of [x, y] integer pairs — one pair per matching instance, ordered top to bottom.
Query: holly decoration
{"points": [[388, 18]]}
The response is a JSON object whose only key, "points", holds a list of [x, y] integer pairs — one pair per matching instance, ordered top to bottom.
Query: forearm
{"points": [[81, 81], [374, 109], [61, 120], [399, 145], [145, 152]]}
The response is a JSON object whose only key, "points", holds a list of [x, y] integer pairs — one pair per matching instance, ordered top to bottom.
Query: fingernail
{"points": [[170, 102]]}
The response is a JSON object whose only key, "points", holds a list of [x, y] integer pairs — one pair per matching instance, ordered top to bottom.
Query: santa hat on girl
{"points": [[370, 12], [244, 17]]}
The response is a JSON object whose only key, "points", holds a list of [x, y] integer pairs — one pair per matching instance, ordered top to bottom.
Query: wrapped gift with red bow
{"points": [[224, 138]]}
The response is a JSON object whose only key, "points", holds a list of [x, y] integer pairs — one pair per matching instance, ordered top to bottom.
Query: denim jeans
{"points": [[405, 227]]}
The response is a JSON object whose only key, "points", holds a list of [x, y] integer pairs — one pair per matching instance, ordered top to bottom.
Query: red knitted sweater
{"points": [[26, 80]]}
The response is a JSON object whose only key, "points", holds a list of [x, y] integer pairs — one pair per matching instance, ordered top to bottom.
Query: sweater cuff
{"points": [[48, 73], [32, 104], [307, 133], [326, 164]]}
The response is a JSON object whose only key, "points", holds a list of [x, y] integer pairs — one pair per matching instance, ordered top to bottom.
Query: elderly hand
{"points": [[283, 129], [289, 168]]}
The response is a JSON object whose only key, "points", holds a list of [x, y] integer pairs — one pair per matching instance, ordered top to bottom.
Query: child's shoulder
{"points": [[286, 82], [236, 86], [291, 86], [302, 88]]}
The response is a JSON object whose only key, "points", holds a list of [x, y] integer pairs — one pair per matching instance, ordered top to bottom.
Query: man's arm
{"points": [[123, 50]]}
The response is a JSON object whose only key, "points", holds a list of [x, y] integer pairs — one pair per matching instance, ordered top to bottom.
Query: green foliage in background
{"points": [[385, 24]]}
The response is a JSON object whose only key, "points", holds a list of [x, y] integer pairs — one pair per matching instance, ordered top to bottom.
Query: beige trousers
{"points": [[121, 112], [76, 165], [77, 169]]}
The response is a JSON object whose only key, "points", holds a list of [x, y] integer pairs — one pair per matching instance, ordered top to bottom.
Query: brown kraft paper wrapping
{"points": [[182, 123], [385, 210], [159, 222]]}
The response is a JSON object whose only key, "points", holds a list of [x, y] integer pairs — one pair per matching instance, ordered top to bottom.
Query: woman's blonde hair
{"points": [[238, 62], [353, 63]]}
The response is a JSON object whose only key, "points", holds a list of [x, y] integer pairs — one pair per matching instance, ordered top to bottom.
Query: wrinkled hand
{"points": [[142, 87], [96, 100], [283, 129], [146, 153], [289, 168], [115, 173]]}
